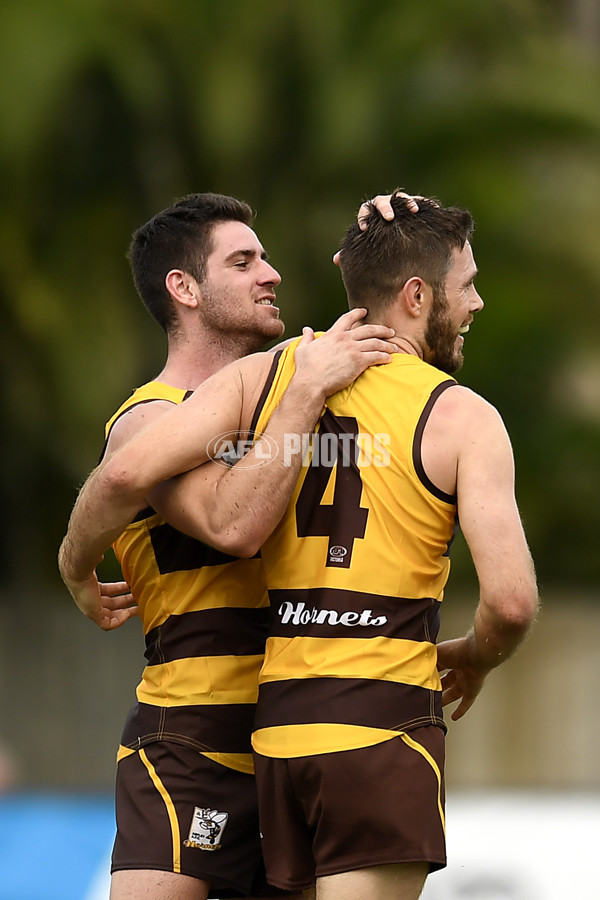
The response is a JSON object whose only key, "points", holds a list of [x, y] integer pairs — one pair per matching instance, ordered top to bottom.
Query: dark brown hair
{"points": [[179, 237], [377, 263]]}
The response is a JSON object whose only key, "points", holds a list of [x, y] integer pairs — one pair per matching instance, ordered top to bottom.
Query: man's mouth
{"points": [[266, 301], [464, 329]]}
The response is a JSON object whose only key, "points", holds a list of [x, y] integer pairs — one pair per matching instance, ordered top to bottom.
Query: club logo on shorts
{"points": [[206, 829]]}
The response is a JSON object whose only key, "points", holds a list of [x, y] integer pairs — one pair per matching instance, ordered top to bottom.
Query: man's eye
{"points": [[241, 265]]}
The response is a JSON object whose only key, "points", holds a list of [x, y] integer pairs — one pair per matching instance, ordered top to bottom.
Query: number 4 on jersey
{"points": [[344, 520]]}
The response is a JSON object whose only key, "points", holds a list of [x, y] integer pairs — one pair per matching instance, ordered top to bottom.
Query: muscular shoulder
{"points": [[461, 410], [133, 420], [461, 425]]}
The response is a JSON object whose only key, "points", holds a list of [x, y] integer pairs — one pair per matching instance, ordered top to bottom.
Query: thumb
{"points": [[308, 336]]}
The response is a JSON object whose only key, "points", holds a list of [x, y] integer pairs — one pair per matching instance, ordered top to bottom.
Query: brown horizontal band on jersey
{"points": [[177, 552], [414, 619], [224, 631], [347, 701], [210, 729]]}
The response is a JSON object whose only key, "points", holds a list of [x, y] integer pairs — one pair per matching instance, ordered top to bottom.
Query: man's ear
{"points": [[182, 287], [415, 295]]}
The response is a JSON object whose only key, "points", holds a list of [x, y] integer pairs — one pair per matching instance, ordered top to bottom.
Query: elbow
{"points": [[120, 482], [233, 531], [234, 536], [235, 543], [519, 612]]}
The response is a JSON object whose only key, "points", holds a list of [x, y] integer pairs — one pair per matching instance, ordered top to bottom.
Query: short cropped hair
{"points": [[179, 237], [377, 263]]}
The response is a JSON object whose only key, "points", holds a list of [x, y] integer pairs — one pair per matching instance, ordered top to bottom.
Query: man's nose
{"points": [[269, 275], [478, 303]]}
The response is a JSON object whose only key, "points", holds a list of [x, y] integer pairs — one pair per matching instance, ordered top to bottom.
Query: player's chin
{"points": [[274, 328], [455, 359], [453, 366]]}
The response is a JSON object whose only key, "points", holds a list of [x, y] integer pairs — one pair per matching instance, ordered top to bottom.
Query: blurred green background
{"points": [[110, 110]]}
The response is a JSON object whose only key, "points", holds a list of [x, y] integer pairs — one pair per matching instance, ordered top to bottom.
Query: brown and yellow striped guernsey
{"points": [[356, 571], [204, 618]]}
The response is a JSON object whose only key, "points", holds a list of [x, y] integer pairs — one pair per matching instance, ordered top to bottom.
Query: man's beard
{"points": [[227, 326], [441, 335]]}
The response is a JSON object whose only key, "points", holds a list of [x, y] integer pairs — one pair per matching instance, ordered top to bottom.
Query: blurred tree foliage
{"points": [[110, 110]]}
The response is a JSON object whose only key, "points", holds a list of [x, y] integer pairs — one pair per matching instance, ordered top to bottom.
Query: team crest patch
{"points": [[206, 829]]}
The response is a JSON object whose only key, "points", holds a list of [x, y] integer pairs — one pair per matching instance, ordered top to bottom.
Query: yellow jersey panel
{"points": [[357, 567]]}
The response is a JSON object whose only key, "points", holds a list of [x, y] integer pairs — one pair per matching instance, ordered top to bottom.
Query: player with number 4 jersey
{"points": [[356, 571]]}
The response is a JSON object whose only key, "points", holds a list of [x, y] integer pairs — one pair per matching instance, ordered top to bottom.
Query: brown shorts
{"points": [[178, 811], [337, 812]]}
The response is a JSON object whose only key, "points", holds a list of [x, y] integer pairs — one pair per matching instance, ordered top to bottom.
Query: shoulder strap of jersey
{"points": [[265, 391], [147, 393], [418, 438]]}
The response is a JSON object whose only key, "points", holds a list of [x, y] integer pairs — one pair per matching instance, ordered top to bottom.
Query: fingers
{"points": [[411, 200], [383, 204], [362, 216], [347, 320], [364, 332], [376, 345], [374, 358], [113, 588], [115, 595], [127, 601], [125, 614], [110, 620], [457, 686], [451, 690], [451, 695], [463, 707]]}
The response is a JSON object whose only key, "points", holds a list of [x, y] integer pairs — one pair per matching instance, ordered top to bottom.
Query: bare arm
{"points": [[178, 440], [235, 510], [492, 527], [111, 604]]}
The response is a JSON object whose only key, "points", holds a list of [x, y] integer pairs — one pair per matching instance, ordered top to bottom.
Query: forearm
{"points": [[251, 498], [99, 516]]}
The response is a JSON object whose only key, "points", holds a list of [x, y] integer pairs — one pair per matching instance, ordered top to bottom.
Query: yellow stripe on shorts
{"points": [[410, 742], [170, 810]]}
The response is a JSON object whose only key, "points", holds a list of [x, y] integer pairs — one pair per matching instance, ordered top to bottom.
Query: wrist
{"points": [[304, 389], [73, 575], [482, 656]]}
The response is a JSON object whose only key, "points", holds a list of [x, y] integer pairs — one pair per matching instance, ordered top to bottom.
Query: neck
{"points": [[402, 325], [407, 345], [189, 363]]}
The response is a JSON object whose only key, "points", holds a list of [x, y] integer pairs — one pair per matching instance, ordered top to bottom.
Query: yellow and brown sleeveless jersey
{"points": [[356, 570], [205, 619]]}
